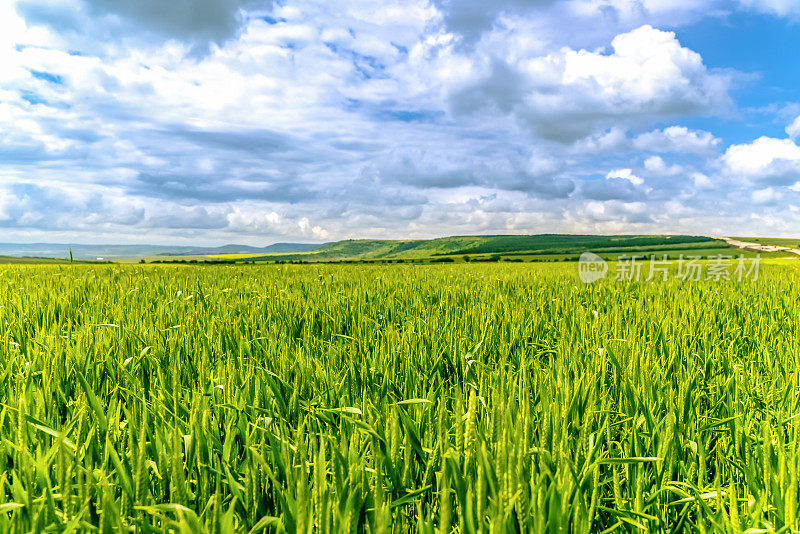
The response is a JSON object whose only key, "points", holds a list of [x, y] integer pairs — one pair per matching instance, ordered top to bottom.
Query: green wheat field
{"points": [[396, 398]]}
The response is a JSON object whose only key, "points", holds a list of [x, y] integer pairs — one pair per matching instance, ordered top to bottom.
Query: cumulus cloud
{"points": [[667, 13], [470, 18], [197, 22], [591, 22], [570, 94], [793, 130], [677, 139], [609, 140], [669, 140], [766, 160], [657, 166], [447, 167], [624, 174], [616, 189], [26, 205], [621, 213], [196, 217]]}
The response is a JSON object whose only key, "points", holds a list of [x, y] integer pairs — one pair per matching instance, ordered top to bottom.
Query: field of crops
{"points": [[396, 398]]}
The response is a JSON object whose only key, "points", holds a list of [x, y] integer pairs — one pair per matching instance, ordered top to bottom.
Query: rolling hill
{"points": [[475, 246], [367, 249], [112, 252]]}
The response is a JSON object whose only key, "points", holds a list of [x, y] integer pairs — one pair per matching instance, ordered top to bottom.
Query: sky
{"points": [[247, 121]]}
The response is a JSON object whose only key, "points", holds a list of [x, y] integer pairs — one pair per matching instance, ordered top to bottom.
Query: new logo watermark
{"points": [[591, 267], [633, 268]]}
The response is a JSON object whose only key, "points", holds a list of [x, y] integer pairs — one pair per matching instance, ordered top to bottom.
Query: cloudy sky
{"points": [[250, 121]]}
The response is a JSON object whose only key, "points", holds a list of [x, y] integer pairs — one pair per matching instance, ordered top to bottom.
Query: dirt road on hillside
{"points": [[759, 247]]}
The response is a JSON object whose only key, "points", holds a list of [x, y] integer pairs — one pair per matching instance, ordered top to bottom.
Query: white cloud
{"points": [[781, 8], [668, 12], [470, 18], [198, 23], [540, 23], [570, 94], [793, 130], [611, 139], [677, 139], [765, 160], [656, 165], [624, 174], [701, 181], [765, 196], [613, 215]]}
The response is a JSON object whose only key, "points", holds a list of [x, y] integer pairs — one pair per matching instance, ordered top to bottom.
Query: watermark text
{"points": [[635, 268]]}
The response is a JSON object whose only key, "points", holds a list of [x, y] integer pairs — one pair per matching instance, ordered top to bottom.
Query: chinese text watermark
{"points": [[635, 268]]}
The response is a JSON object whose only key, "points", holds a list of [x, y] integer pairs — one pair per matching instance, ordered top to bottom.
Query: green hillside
{"points": [[543, 244]]}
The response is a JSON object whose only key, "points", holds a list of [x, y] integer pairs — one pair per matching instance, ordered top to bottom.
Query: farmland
{"points": [[396, 398]]}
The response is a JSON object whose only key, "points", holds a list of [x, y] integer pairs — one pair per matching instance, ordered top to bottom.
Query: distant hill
{"points": [[495, 244], [277, 248], [384, 249], [111, 252], [20, 260]]}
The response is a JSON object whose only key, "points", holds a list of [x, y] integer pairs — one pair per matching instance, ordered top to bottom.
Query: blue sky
{"points": [[215, 121]]}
